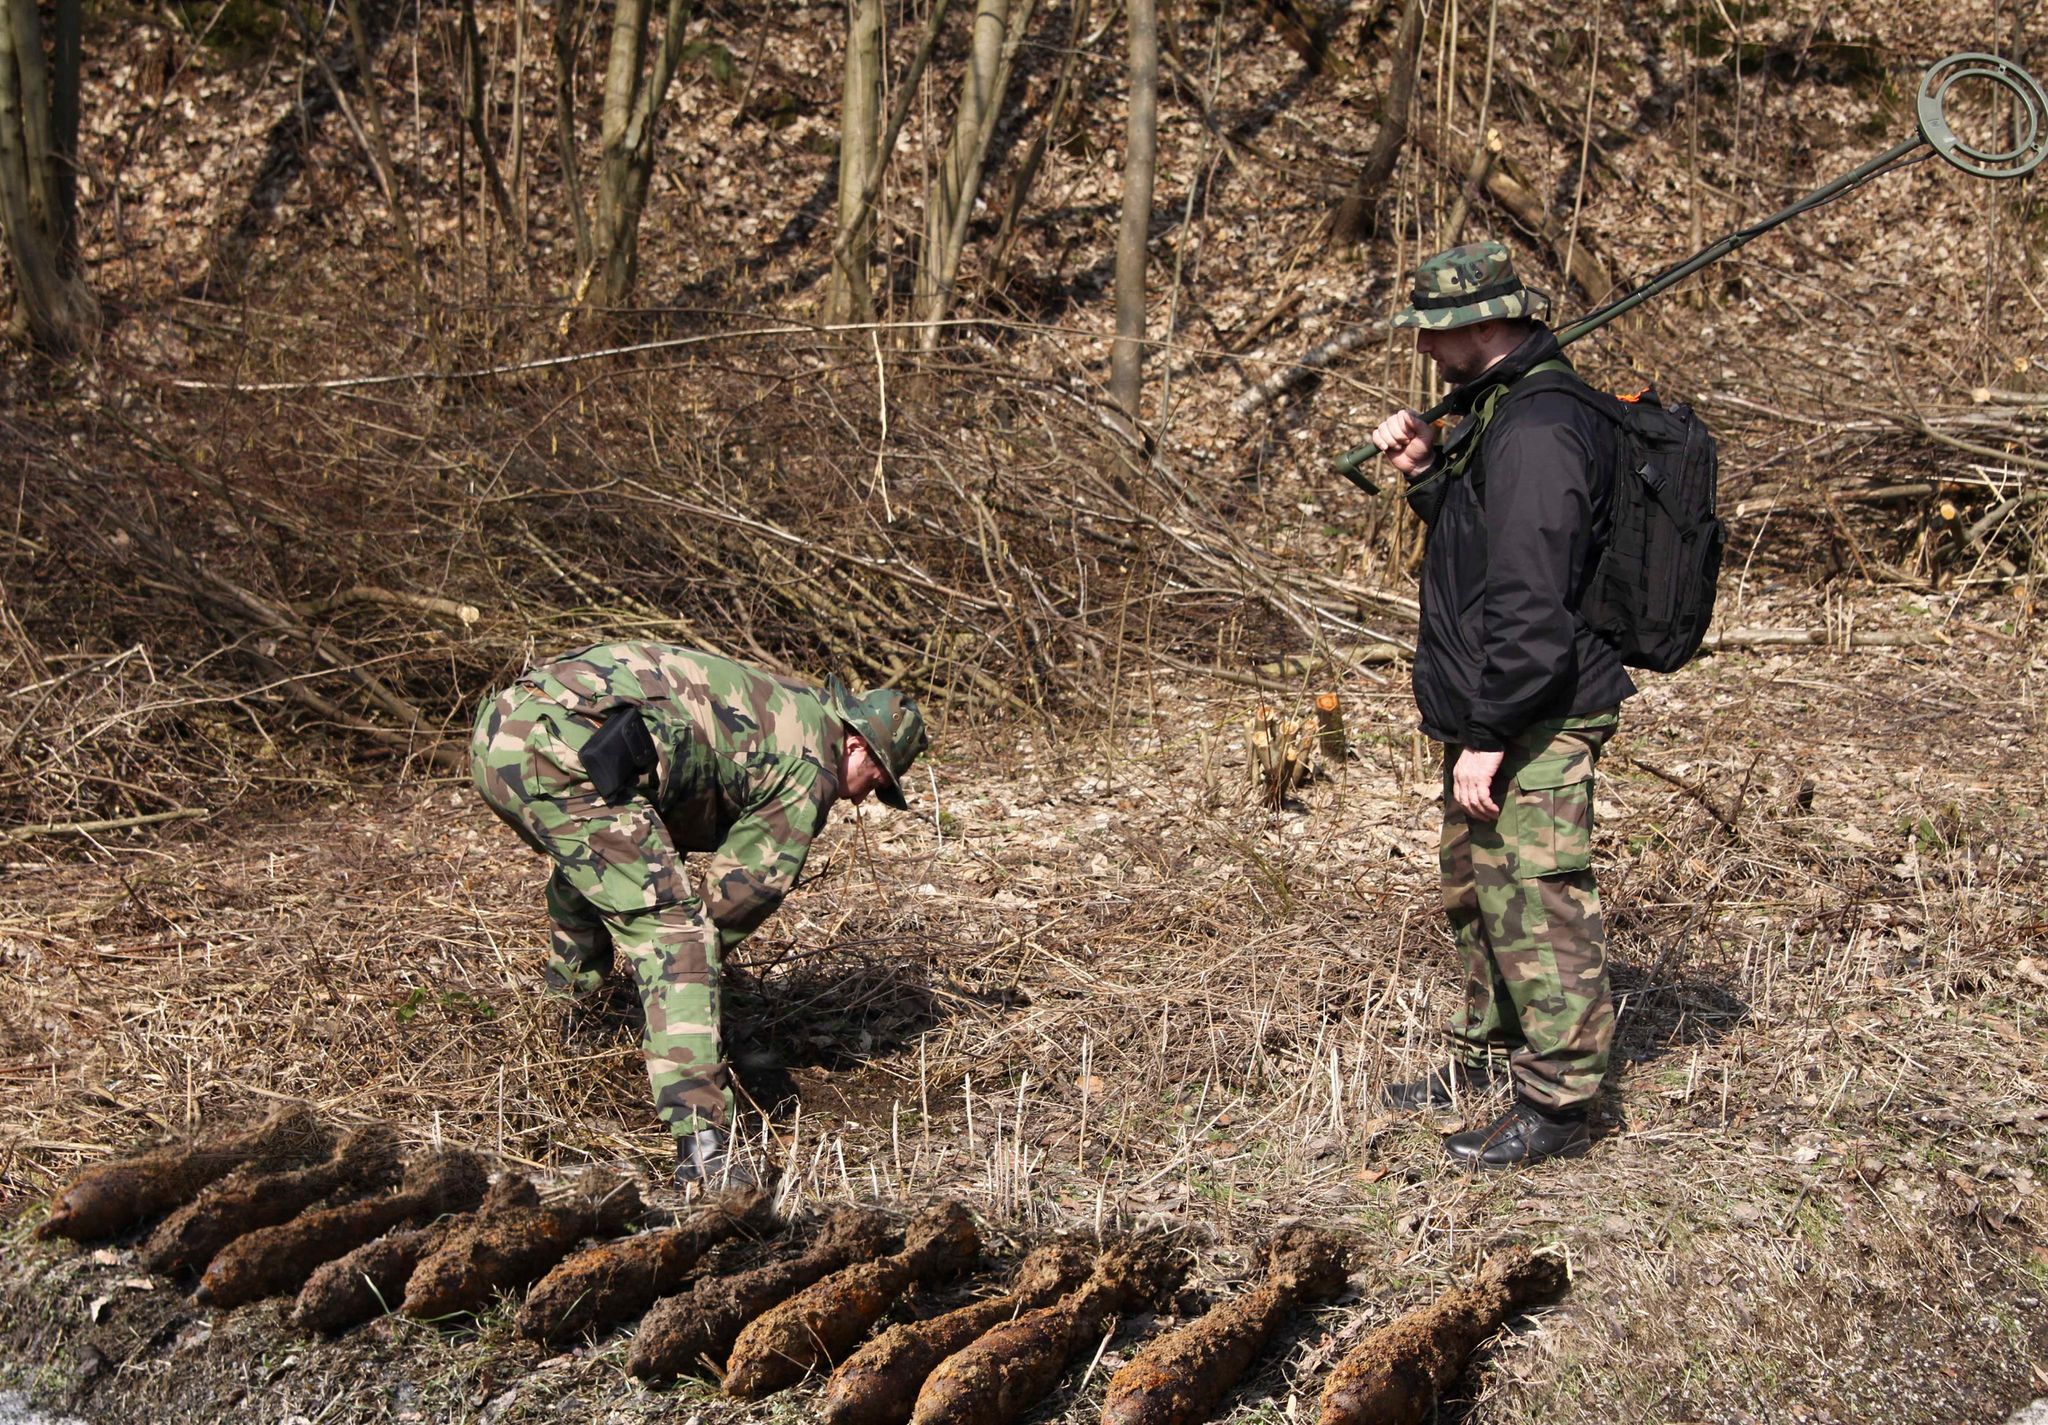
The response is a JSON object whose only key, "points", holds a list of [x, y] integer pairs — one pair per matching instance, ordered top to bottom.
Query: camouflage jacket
{"points": [[749, 763]]}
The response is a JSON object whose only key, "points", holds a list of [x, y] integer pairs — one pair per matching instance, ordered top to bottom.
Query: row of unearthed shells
{"points": [[353, 1232]]}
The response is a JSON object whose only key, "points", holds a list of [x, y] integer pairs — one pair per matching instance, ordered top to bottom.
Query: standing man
{"points": [[1521, 692], [616, 760]]}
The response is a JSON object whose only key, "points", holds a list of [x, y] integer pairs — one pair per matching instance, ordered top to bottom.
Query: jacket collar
{"points": [[1540, 346]]}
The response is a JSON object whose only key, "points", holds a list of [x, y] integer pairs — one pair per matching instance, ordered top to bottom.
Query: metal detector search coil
{"points": [[2030, 121], [2029, 150]]}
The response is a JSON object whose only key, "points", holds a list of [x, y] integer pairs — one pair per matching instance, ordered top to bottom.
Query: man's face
{"points": [[1461, 354], [862, 772]]}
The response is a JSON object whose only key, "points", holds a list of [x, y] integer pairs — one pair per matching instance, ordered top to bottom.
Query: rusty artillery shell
{"points": [[365, 1161], [113, 1197], [506, 1251], [278, 1259], [617, 1280], [369, 1281], [819, 1325], [684, 1331], [1014, 1366], [1394, 1375], [1181, 1377], [878, 1384]]}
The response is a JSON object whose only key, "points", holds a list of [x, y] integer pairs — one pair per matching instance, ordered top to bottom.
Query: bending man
{"points": [[616, 760]]}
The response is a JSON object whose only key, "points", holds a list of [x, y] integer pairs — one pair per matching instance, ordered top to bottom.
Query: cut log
{"points": [[1330, 743], [114, 1197], [244, 1200], [506, 1251], [278, 1259], [617, 1280], [820, 1324], [697, 1328], [1015, 1366], [1184, 1375], [1393, 1376], [878, 1384]]}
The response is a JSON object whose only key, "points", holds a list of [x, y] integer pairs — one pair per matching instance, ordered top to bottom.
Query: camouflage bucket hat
{"points": [[1473, 283], [891, 725]]}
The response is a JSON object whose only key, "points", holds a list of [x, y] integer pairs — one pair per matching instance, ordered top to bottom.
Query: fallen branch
{"points": [[1305, 367], [1847, 642], [114, 823]]}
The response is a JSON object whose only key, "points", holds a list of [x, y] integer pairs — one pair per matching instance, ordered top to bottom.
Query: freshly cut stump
{"points": [[113, 1197], [244, 1200], [506, 1251], [278, 1259], [616, 1280], [370, 1281], [700, 1325], [819, 1325], [1016, 1365], [1183, 1376], [1393, 1376], [878, 1383]]}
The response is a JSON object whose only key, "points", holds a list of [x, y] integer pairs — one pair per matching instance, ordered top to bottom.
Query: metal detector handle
{"points": [[2029, 150], [1347, 464]]}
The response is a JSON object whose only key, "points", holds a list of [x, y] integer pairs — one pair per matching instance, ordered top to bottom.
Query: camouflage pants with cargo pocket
{"points": [[617, 887], [1526, 916]]}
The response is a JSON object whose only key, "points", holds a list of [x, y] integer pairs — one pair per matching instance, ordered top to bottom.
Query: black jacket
{"points": [[1511, 542]]}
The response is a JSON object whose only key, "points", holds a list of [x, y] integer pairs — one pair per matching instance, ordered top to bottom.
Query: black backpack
{"points": [[1651, 592]]}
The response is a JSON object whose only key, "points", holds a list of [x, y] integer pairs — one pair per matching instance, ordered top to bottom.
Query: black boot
{"points": [[1440, 1088], [1526, 1133], [706, 1157]]}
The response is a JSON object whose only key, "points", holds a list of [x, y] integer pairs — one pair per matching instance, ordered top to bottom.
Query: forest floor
{"points": [[1091, 983]]}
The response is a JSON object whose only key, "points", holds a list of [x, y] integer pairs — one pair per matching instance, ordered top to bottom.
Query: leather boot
{"points": [[1440, 1088], [1526, 1133], [706, 1157]]}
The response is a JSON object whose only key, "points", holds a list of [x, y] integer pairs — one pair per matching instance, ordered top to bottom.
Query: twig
{"points": [[116, 823]]}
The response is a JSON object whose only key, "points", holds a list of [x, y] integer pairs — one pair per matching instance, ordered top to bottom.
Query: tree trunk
{"points": [[566, 41], [473, 83], [633, 95], [38, 138], [960, 170], [1027, 171], [1355, 214], [848, 299], [1127, 357]]}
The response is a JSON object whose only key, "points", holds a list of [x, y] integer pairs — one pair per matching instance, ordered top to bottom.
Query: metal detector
{"points": [[2030, 148]]}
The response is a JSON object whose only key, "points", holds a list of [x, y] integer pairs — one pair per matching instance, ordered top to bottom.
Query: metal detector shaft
{"points": [[1933, 132]]}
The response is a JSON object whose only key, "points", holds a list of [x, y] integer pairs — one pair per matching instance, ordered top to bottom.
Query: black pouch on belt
{"points": [[619, 755]]}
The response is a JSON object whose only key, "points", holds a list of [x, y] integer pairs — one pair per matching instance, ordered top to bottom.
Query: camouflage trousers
{"points": [[617, 885], [1526, 916]]}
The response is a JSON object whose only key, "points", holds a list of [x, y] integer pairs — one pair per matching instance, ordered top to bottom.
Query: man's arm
{"points": [[1539, 526], [758, 862]]}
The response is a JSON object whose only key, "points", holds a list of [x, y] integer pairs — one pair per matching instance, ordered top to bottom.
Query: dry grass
{"points": [[1096, 987]]}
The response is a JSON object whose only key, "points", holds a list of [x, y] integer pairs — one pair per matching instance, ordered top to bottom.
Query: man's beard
{"points": [[1458, 373]]}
